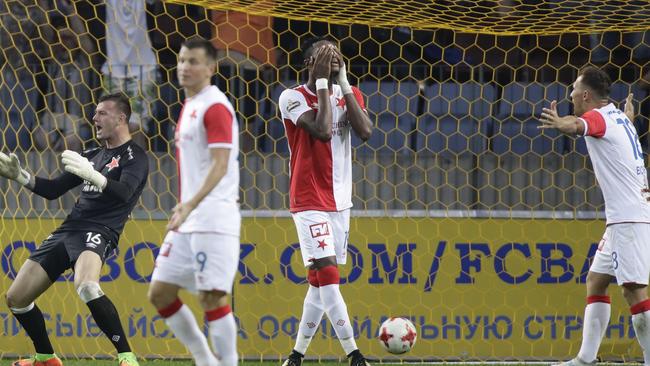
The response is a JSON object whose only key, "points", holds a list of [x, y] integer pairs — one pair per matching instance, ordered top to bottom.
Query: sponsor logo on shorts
{"points": [[320, 229]]}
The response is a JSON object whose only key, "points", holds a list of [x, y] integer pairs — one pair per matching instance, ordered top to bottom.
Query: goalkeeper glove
{"points": [[342, 79], [81, 167], [10, 169]]}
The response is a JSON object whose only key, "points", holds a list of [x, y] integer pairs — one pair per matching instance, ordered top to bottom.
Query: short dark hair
{"points": [[198, 42], [307, 46], [597, 80], [121, 101]]}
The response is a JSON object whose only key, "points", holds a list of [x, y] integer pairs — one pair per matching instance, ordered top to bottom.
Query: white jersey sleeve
{"points": [[292, 105]]}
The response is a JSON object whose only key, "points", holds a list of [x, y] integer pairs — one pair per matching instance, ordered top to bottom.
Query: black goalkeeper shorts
{"points": [[61, 250]]}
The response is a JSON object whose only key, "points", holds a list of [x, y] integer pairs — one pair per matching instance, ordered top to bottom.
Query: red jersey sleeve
{"points": [[359, 97], [218, 124], [596, 125]]}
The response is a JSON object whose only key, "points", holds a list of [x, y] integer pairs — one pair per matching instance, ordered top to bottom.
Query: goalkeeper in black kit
{"points": [[112, 179]]}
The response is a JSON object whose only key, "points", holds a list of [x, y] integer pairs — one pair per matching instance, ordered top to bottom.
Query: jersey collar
{"points": [[199, 93]]}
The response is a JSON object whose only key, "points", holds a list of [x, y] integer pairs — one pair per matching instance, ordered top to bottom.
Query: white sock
{"points": [[337, 312], [312, 313], [641, 323], [594, 326], [186, 330], [223, 334]]}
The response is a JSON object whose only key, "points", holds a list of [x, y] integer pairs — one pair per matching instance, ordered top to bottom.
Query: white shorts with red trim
{"points": [[323, 234], [624, 252], [198, 261]]}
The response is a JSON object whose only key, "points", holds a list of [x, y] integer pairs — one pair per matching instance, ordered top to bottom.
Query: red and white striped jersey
{"points": [[208, 121], [616, 155], [321, 172]]}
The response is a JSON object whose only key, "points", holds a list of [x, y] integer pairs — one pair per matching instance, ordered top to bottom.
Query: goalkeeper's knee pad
{"points": [[89, 291], [24, 310]]}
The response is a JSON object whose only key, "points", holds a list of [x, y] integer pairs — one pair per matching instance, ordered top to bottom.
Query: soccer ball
{"points": [[397, 335]]}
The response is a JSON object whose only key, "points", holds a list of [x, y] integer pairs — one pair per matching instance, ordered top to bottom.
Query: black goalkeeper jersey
{"points": [[126, 168]]}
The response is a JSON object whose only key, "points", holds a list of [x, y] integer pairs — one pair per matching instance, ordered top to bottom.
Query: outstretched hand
{"points": [[629, 107], [551, 119], [81, 167], [10, 168]]}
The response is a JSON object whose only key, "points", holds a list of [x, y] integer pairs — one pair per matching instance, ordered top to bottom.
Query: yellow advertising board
{"points": [[476, 289]]}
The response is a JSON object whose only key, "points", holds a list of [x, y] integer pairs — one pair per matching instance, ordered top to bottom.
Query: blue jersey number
{"points": [[633, 136]]}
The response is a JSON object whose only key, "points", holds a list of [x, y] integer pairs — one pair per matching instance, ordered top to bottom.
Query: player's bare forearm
{"points": [[324, 116], [359, 119], [319, 124], [570, 125], [217, 170]]}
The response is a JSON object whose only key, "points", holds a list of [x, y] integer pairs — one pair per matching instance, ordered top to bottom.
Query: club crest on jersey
{"points": [[340, 102], [292, 104], [115, 162], [320, 229]]}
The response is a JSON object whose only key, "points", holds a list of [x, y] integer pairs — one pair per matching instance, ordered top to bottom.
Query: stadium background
{"points": [[467, 218]]}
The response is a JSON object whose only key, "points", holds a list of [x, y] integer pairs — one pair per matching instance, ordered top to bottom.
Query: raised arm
{"points": [[629, 107], [358, 117], [319, 124], [570, 125], [10, 168], [54, 188]]}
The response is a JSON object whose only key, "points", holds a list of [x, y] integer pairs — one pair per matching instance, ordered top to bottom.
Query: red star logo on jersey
{"points": [[340, 102], [193, 115], [115, 162], [322, 244], [384, 336], [410, 336]]}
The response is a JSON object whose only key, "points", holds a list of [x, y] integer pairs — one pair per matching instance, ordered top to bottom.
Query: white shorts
{"points": [[323, 234], [624, 252], [198, 261]]}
